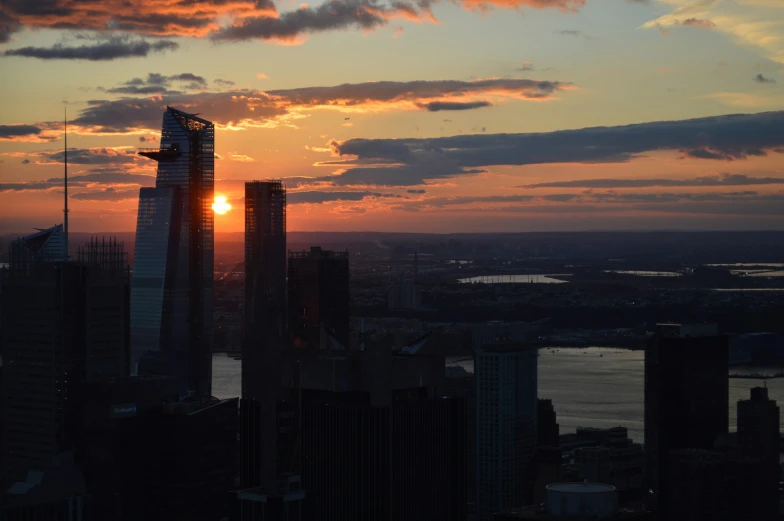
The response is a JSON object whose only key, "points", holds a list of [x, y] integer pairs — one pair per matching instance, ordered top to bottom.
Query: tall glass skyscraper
{"points": [[172, 284]]}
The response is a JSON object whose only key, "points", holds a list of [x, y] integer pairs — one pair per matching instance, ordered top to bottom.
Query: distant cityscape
{"points": [[381, 377]]}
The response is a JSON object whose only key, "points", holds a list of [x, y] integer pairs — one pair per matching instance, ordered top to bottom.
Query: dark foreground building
{"points": [[318, 299], [65, 322], [686, 400], [758, 438], [377, 443], [147, 456]]}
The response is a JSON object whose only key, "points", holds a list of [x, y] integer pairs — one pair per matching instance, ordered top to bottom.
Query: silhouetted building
{"points": [[172, 287], [404, 294], [318, 299], [65, 322], [506, 378], [459, 383], [686, 399], [269, 421], [547, 432], [758, 438], [377, 442], [148, 456], [607, 456], [545, 468], [717, 485], [57, 493]]}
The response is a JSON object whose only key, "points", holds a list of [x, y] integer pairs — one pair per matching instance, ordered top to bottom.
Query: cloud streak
{"points": [[105, 51], [246, 108], [406, 162], [713, 181]]}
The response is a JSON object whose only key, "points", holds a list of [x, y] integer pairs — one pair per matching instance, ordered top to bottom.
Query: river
{"points": [[588, 390]]}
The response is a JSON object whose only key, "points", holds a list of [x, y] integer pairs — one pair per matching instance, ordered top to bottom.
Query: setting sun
{"points": [[220, 205]]}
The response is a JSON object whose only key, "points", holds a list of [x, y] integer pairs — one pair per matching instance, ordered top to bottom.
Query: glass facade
{"points": [[172, 289], [506, 379]]}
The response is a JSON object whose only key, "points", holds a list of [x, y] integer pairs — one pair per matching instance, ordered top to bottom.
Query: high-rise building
{"points": [[172, 285], [319, 299], [65, 322], [264, 327], [506, 378], [459, 383], [686, 399], [269, 423], [547, 430], [758, 438], [138, 440], [378, 443]]}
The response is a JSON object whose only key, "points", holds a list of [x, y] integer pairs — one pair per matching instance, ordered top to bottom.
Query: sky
{"points": [[412, 116]]}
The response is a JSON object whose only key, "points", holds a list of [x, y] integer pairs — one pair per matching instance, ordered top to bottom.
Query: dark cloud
{"points": [[331, 15], [150, 17], [250, 18], [697, 22], [574, 33], [104, 51], [759, 78], [156, 83], [225, 83], [350, 94], [436, 106], [259, 107], [15, 131], [90, 156], [25, 161], [405, 162], [99, 177], [718, 180], [416, 191], [110, 194], [316, 197], [733, 203]]}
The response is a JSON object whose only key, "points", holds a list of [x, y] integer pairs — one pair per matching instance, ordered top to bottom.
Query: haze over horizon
{"points": [[469, 116]]}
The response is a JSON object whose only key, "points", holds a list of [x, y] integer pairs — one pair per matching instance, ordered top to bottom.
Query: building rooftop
{"points": [[581, 488]]}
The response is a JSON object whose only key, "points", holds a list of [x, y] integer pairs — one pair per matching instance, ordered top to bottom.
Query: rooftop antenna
{"points": [[65, 158]]}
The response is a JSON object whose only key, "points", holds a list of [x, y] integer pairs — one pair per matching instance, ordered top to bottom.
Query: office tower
{"points": [[265, 281], [172, 286], [319, 299], [65, 322], [506, 378], [459, 383], [686, 399], [270, 431], [547, 431], [758, 437], [378, 443], [148, 456], [608, 456], [719, 484]]}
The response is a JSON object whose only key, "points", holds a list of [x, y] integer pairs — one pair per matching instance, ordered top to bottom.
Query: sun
{"points": [[220, 206]]}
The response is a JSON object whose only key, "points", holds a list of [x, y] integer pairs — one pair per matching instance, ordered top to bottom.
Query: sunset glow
{"points": [[220, 206]]}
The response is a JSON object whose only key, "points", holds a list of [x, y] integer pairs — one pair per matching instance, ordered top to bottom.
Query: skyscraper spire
{"points": [[65, 209]]}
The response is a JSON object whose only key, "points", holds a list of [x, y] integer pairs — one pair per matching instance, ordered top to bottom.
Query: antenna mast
{"points": [[65, 209]]}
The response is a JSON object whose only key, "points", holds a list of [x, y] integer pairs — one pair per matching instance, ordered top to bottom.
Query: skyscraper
{"points": [[265, 280], [172, 287], [318, 299], [65, 322], [506, 378], [686, 399], [269, 432], [758, 438]]}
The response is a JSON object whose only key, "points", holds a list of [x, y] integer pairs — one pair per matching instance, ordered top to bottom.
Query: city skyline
{"points": [[479, 140]]}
